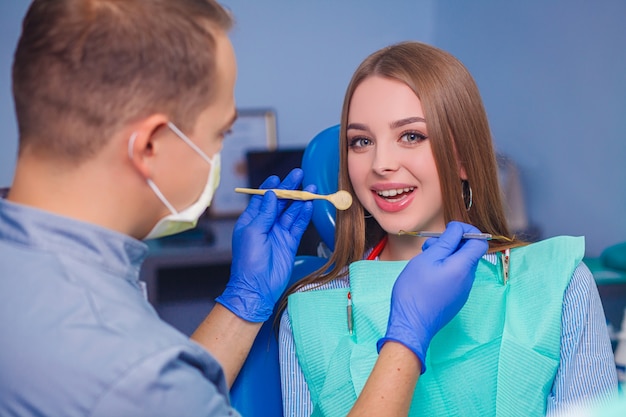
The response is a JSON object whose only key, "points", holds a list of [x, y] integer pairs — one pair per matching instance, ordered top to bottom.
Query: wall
{"points": [[11, 14], [298, 56], [553, 77]]}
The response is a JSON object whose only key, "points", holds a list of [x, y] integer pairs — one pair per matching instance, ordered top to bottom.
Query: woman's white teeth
{"points": [[393, 193]]}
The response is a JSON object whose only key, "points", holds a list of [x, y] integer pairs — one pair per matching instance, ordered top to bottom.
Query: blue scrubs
{"points": [[78, 336]]}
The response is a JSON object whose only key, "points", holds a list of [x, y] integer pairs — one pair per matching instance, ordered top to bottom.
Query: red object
{"points": [[377, 249]]}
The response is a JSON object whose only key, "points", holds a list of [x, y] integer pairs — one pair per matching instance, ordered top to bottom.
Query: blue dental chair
{"points": [[256, 391]]}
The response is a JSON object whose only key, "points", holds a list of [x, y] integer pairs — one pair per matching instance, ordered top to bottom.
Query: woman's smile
{"points": [[393, 198]]}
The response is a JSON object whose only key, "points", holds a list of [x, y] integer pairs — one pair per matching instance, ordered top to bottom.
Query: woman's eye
{"points": [[413, 137], [359, 142]]}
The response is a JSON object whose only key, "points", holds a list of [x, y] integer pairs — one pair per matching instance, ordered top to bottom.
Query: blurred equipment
{"points": [[513, 200], [620, 353]]}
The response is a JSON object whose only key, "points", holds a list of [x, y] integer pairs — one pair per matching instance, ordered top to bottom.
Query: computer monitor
{"points": [[263, 163]]}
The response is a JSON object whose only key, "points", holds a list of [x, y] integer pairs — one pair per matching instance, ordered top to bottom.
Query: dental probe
{"points": [[482, 236]]}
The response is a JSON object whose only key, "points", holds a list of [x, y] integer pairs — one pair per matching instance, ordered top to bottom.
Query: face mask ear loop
{"points": [[188, 141], [131, 145], [159, 194]]}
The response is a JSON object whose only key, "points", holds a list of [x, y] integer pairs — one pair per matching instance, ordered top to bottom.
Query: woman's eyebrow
{"points": [[407, 121], [394, 125], [357, 126]]}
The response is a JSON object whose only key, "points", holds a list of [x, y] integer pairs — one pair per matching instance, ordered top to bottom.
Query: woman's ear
{"points": [[143, 143], [459, 165], [461, 169], [462, 172]]}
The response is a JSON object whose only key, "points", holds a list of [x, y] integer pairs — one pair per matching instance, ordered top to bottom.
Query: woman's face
{"points": [[390, 161]]}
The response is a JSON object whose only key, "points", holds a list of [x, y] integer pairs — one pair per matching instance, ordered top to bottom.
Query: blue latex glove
{"points": [[265, 240], [432, 288]]}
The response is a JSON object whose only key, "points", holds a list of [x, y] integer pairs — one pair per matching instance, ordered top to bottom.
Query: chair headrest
{"points": [[320, 164], [614, 256]]}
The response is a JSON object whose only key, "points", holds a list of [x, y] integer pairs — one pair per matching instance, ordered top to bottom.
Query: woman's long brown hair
{"points": [[459, 135]]}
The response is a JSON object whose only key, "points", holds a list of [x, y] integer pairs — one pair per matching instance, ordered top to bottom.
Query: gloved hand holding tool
{"points": [[265, 241], [433, 287]]}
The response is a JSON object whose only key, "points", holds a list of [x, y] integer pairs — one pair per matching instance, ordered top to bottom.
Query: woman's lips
{"points": [[393, 199]]}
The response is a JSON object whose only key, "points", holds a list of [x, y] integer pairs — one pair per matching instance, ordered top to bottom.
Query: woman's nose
{"points": [[385, 160]]}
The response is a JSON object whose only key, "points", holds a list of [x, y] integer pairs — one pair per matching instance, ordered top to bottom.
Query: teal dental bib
{"points": [[497, 357]]}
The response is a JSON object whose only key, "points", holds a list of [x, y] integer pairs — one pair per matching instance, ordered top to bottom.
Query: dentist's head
{"points": [[124, 111]]}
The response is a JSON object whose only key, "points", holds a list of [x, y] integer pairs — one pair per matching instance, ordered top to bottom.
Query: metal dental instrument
{"points": [[483, 236], [349, 311]]}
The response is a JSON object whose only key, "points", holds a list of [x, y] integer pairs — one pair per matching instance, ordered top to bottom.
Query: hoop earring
{"points": [[467, 195]]}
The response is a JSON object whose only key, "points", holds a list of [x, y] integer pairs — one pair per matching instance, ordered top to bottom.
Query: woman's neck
{"points": [[401, 248]]}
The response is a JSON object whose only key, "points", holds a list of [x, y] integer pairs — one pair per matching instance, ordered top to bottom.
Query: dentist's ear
{"points": [[143, 141], [138, 147]]}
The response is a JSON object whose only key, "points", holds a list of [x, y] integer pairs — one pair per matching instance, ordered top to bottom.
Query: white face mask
{"points": [[179, 221]]}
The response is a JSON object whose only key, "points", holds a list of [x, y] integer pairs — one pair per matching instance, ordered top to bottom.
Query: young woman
{"points": [[416, 153]]}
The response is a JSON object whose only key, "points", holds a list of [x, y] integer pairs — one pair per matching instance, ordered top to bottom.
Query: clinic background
{"points": [[552, 75]]}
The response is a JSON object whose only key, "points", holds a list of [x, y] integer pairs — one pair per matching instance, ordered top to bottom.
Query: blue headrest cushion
{"points": [[320, 164]]}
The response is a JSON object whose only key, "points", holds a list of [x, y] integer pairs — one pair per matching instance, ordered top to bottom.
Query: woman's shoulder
{"points": [[557, 241], [564, 248], [582, 281]]}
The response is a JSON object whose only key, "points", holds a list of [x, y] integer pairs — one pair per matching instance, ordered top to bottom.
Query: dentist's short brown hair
{"points": [[83, 68]]}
